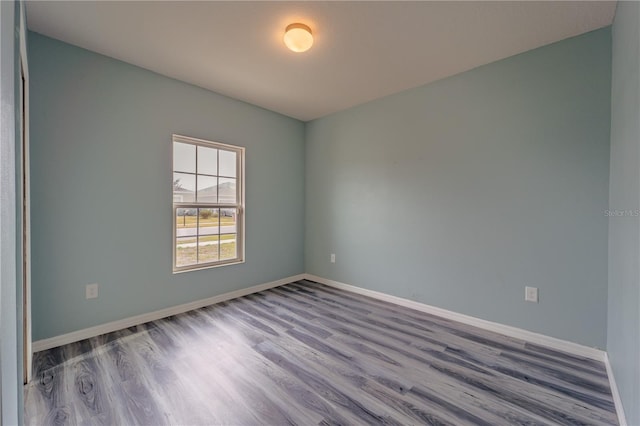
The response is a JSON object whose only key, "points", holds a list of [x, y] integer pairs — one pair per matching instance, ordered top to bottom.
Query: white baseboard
{"points": [[75, 336], [529, 336], [552, 342], [614, 392]]}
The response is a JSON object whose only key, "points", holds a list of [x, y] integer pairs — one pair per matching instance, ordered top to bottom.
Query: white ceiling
{"points": [[362, 50]]}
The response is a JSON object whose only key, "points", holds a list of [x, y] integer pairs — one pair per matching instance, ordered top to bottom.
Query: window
{"points": [[208, 204]]}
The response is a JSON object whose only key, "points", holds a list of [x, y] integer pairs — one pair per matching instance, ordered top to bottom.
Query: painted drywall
{"points": [[101, 188], [462, 192], [8, 257], [623, 337], [11, 398]]}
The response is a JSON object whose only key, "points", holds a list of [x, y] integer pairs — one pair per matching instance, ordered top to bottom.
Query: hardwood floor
{"points": [[309, 354]]}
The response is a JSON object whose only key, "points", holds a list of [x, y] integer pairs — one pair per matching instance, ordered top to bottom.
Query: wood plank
{"points": [[308, 354]]}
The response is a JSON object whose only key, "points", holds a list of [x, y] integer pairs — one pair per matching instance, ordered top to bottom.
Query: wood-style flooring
{"points": [[309, 354]]}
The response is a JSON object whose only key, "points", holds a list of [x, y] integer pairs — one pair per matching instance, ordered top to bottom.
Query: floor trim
{"points": [[75, 336], [529, 336], [617, 401]]}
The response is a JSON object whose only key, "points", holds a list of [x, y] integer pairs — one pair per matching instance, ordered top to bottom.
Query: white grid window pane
{"points": [[184, 157], [207, 161], [228, 163], [184, 188], [207, 189], [227, 190], [207, 196], [186, 251]]}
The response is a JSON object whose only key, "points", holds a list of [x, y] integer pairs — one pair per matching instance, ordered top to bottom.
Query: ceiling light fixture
{"points": [[298, 37]]}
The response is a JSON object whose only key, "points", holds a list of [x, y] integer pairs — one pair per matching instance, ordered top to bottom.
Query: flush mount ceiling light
{"points": [[298, 37]]}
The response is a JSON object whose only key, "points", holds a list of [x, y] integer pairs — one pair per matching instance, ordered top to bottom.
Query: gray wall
{"points": [[101, 188], [461, 192], [10, 224], [8, 298], [623, 337]]}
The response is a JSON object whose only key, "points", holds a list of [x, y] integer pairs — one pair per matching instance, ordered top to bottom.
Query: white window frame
{"points": [[239, 205]]}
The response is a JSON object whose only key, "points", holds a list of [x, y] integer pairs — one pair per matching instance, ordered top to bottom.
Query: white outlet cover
{"points": [[333, 258], [91, 291], [531, 294]]}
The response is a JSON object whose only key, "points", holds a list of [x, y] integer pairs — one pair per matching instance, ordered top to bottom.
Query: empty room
{"points": [[320, 212]]}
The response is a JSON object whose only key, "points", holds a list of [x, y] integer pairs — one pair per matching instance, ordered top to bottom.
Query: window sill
{"points": [[200, 268]]}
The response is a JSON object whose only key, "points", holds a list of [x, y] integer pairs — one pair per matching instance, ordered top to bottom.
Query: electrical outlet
{"points": [[333, 258], [91, 291], [531, 294]]}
